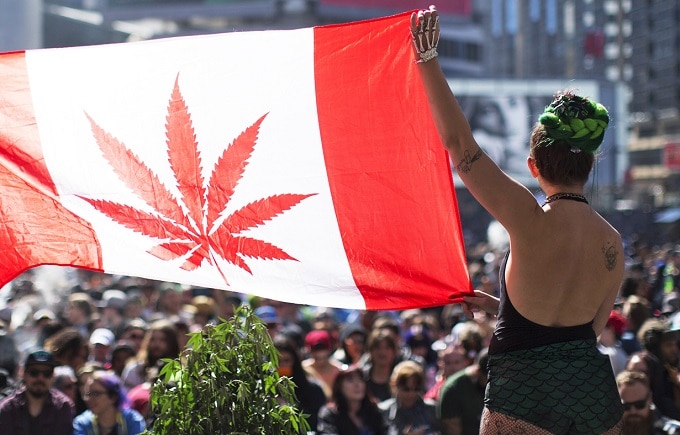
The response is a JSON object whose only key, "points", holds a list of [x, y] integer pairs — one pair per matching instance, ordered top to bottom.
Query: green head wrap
{"points": [[578, 121]]}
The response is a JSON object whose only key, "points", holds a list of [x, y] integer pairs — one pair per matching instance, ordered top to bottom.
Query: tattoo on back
{"points": [[465, 164], [610, 257]]}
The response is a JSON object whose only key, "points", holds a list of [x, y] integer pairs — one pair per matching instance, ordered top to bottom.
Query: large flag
{"points": [[298, 165]]}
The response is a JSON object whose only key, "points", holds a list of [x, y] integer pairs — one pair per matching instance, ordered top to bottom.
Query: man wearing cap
{"points": [[269, 317], [101, 341], [36, 408]]}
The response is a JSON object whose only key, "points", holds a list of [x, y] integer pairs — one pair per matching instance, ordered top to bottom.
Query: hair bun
{"points": [[578, 121]]}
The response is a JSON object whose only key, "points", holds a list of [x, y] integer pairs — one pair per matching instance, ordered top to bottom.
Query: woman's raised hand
{"points": [[425, 33]]}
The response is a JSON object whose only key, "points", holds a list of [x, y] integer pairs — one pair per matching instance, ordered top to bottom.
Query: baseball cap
{"points": [[113, 298], [44, 314], [267, 314], [102, 336], [318, 339], [40, 356]]}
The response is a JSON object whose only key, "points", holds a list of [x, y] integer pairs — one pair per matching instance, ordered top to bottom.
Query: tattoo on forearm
{"points": [[465, 165], [610, 257]]}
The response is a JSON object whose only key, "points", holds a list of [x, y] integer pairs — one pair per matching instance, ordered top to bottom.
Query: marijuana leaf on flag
{"points": [[190, 228]]}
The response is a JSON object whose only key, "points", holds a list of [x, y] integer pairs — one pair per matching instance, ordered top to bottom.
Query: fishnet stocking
{"points": [[496, 423]]}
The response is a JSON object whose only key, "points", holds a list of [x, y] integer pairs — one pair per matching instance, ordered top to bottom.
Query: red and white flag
{"points": [[298, 165]]}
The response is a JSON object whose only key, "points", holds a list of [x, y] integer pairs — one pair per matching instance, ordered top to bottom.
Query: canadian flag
{"points": [[297, 165]]}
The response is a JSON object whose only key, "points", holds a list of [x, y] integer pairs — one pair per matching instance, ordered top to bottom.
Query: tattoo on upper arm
{"points": [[465, 164], [610, 257]]}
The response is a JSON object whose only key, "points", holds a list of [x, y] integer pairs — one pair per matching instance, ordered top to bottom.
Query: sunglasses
{"points": [[34, 373], [638, 404]]}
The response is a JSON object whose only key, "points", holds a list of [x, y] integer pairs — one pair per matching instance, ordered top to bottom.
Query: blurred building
{"points": [[20, 25], [654, 173]]}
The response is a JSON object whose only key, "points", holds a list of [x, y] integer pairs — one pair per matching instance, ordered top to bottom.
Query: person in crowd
{"points": [[564, 266], [169, 303], [225, 303], [133, 307], [111, 309], [636, 310], [79, 311], [204, 311], [290, 314], [42, 317], [270, 318], [388, 323], [47, 329], [134, 332], [471, 337], [101, 341], [419, 341], [609, 341], [160, 342], [352, 344], [68, 347], [121, 353], [382, 356], [661, 359], [450, 360], [638, 362], [9, 364], [320, 365], [86, 372], [65, 380], [309, 393], [139, 397], [461, 398], [35, 408], [352, 410], [109, 412], [407, 412], [640, 416]]}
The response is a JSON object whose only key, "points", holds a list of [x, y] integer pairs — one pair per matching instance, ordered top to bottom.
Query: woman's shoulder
{"points": [[87, 414], [83, 419], [133, 419]]}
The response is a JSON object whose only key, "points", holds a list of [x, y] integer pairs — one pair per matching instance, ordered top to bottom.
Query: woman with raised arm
{"points": [[562, 273]]}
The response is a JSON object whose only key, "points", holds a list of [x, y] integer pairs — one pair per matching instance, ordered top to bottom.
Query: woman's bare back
{"points": [[567, 269]]}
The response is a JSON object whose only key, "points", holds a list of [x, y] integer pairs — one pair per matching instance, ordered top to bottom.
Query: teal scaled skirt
{"points": [[564, 388]]}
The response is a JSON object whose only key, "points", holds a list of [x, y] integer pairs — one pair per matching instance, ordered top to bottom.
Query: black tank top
{"points": [[515, 332]]}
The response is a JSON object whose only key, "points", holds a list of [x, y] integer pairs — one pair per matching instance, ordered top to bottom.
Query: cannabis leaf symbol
{"points": [[193, 228]]}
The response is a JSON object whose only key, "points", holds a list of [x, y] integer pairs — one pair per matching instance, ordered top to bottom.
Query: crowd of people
{"points": [[95, 356]]}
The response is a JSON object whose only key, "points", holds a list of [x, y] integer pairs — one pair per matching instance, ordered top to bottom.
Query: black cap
{"points": [[40, 356]]}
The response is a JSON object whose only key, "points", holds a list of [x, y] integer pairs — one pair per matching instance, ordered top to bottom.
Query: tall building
{"points": [[20, 24], [556, 38], [654, 148]]}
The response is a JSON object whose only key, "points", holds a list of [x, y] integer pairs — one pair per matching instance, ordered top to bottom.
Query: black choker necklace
{"points": [[569, 196]]}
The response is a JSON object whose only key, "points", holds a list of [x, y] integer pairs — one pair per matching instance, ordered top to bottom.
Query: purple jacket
{"points": [[56, 417]]}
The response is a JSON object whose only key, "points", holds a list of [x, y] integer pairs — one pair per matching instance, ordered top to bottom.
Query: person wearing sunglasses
{"points": [[36, 408], [640, 416]]}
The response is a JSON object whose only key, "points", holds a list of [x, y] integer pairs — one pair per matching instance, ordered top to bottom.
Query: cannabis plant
{"points": [[226, 382]]}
